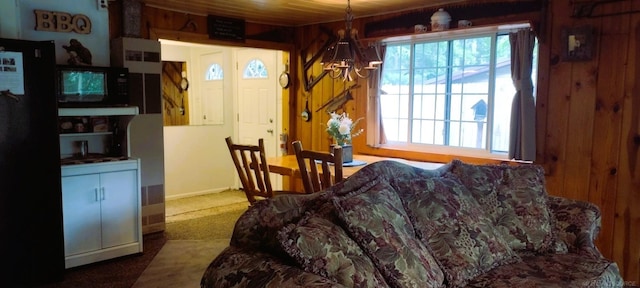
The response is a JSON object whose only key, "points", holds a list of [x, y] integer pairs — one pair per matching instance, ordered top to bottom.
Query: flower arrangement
{"points": [[341, 128]]}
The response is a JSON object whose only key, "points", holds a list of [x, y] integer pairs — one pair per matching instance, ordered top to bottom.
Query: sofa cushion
{"points": [[515, 199], [449, 220], [377, 221], [258, 226], [322, 247], [553, 271]]}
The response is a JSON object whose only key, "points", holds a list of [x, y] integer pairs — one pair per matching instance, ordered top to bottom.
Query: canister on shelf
{"points": [[440, 20], [83, 148]]}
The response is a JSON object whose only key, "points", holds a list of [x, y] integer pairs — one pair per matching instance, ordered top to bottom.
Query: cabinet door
{"points": [[119, 194], [81, 213]]}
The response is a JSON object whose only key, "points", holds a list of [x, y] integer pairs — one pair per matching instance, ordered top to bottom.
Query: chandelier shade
{"points": [[348, 55]]}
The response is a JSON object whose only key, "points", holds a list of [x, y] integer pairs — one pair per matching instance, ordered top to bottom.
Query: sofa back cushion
{"points": [[515, 199], [449, 220], [377, 221], [258, 226], [324, 248]]}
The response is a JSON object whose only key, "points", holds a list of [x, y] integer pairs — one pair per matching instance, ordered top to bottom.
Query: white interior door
{"points": [[257, 86], [212, 89]]}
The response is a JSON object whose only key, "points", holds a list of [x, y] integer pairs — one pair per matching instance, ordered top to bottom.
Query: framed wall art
{"points": [[578, 44]]}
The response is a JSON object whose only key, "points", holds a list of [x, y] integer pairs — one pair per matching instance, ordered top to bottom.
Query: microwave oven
{"points": [[92, 86]]}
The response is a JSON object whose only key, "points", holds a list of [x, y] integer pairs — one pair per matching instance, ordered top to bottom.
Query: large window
{"points": [[454, 92]]}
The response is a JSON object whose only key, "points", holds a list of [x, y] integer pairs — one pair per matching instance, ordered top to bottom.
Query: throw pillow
{"points": [[515, 200], [378, 222], [451, 222], [323, 248]]}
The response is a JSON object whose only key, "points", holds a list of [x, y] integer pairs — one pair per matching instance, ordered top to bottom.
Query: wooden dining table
{"points": [[287, 165]]}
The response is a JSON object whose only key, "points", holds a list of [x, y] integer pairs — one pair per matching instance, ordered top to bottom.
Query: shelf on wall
{"points": [[466, 31], [98, 111], [84, 134]]}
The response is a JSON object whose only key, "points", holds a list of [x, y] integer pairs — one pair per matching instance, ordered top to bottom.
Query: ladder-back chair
{"points": [[308, 161], [253, 170]]}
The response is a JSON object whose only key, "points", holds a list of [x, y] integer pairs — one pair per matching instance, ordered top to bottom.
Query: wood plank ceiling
{"points": [[297, 12]]}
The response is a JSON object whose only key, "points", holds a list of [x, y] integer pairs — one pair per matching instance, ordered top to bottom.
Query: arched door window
{"points": [[255, 69], [214, 72]]}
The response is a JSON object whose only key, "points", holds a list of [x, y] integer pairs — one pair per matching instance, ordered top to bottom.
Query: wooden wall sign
{"points": [[54, 21], [225, 28]]}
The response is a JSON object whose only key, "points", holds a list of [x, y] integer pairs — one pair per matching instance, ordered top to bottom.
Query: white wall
{"points": [[9, 19], [18, 20], [197, 160]]}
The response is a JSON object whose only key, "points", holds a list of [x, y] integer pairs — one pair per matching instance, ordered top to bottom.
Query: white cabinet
{"points": [[101, 211]]}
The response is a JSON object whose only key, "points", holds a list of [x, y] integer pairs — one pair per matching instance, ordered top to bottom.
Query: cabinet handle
{"points": [[95, 190], [102, 193]]}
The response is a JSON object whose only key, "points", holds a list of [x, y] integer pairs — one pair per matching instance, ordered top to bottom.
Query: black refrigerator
{"points": [[31, 235]]}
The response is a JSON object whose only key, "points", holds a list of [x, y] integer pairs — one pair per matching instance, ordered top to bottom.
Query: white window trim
{"points": [[462, 32], [444, 35]]}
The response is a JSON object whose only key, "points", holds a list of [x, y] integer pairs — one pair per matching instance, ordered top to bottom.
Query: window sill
{"points": [[439, 154]]}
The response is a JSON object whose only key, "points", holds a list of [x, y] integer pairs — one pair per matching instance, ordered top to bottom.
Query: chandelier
{"points": [[348, 56]]}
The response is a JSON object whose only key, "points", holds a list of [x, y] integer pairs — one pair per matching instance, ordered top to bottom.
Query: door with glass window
{"points": [[212, 90], [257, 98]]}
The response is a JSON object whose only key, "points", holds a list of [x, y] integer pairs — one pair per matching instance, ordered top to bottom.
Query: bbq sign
{"points": [[54, 21]]}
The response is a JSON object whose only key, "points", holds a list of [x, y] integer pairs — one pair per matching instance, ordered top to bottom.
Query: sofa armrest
{"points": [[577, 225], [239, 267]]}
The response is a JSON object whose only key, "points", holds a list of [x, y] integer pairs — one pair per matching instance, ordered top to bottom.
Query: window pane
{"points": [[255, 69], [214, 72], [451, 93], [503, 96], [389, 105], [391, 128], [403, 129], [439, 132], [454, 133], [473, 135]]}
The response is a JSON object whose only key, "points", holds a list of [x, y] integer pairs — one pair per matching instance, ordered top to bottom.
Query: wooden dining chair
{"points": [[308, 161], [253, 170]]}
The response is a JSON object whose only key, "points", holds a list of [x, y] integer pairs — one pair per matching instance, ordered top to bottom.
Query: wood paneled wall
{"points": [[175, 100], [588, 123]]}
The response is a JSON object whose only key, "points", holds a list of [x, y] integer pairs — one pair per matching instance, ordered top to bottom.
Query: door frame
{"points": [[285, 48]]}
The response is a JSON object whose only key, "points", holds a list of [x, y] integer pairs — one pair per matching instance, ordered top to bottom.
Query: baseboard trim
{"points": [[197, 193]]}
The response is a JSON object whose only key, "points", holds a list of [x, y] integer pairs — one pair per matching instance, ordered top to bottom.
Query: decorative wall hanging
{"points": [[578, 44], [78, 54], [309, 80]]}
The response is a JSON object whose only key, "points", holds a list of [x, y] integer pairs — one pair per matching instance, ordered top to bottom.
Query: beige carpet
{"points": [[204, 205], [197, 230], [180, 263]]}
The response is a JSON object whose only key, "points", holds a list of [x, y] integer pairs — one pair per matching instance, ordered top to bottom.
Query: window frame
{"points": [[465, 33]]}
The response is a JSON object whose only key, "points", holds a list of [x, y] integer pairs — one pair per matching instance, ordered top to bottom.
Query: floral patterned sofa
{"points": [[393, 225]]}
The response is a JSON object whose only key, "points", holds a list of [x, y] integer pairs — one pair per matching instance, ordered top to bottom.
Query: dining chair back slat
{"points": [[251, 164], [313, 179]]}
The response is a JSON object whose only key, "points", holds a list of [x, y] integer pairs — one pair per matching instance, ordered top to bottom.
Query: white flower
{"points": [[340, 127], [344, 129]]}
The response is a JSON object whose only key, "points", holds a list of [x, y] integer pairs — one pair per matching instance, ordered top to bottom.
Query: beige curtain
{"points": [[375, 129], [522, 136]]}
